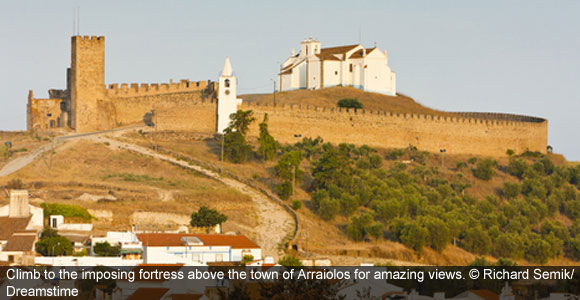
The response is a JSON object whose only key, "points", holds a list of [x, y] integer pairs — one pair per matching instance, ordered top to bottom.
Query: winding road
{"points": [[275, 222]]}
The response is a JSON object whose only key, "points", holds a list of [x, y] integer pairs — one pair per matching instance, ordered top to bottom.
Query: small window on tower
{"points": [[350, 68], [335, 72], [227, 83]]}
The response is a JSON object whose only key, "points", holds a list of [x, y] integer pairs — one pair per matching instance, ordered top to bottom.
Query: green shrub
{"points": [[350, 103], [268, 145], [395, 154], [484, 169], [284, 189], [511, 189], [296, 204], [328, 208], [66, 210], [207, 217], [362, 227], [52, 244], [105, 249], [538, 251], [290, 261], [479, 261]]}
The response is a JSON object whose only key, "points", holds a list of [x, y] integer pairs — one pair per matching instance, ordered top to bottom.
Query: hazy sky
{"points": [[499, 56]]}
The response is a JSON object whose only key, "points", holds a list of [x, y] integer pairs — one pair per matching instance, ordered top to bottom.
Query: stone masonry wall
{"points": [[177, 111], [458, 135]]}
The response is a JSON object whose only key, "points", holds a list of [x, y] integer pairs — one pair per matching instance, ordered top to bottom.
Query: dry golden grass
{"points": [[329, 97], [22, 140], [139, 183]]}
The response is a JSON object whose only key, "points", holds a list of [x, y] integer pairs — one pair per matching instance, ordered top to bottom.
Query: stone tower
{"points": [[87, 82], [227, 97]]}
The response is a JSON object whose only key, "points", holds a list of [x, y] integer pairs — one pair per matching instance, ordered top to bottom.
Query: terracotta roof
{"points": [[329, 53], [359, 54], [10, 225], [174, 240], [21, 241], [236, 241], [148, 294], [485, 294], [186, 296]]}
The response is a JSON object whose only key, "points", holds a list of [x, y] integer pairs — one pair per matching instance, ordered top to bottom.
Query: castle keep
{"points": [[87, 104]]}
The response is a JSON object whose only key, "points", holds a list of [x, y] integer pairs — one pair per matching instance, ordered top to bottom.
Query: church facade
{"points": [[315, 67]]}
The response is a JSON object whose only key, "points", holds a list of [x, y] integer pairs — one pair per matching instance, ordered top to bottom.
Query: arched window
{"points": [[227, 83]]}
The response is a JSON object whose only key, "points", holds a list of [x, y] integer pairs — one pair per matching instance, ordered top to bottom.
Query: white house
{"points": [[315, 67], [57, 222], [131, 246], [196, 248]]}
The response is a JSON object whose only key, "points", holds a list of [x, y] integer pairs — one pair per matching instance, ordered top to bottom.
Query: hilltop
{"points": [[329, 97]]}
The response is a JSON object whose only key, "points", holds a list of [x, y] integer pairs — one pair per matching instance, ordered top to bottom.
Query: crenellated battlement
{"points": [[87, 38], [148, 89], [474, 118]]}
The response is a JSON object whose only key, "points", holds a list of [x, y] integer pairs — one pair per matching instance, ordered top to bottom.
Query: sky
{"points": [[495, 56]]}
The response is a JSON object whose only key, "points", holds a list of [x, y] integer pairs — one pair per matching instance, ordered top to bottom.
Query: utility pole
{"points": [[274, 92], [223, 140], [155, 145], [442, 157], [293, 180]]}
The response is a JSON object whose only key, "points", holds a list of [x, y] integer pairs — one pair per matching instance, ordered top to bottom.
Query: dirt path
{"points": [[275, 222]]}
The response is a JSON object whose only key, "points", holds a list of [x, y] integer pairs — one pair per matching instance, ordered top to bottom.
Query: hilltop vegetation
{"points": [[329, 97], [413, 205]]}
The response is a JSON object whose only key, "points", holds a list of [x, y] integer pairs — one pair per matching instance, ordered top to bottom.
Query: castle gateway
{"points": [[87, 105]]}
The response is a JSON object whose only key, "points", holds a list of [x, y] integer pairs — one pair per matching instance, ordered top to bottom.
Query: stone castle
{"points": [[88, 104]]}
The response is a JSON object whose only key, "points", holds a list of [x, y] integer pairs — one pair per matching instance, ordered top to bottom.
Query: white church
{"points": [[315, 67]]}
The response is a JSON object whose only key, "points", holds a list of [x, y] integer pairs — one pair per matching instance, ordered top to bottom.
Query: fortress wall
{"points": [[145, 89], [175, 111], [44, 113], [382, 129]]}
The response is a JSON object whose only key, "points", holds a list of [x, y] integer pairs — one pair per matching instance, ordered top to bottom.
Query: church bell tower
{"points": [[227, 97]]}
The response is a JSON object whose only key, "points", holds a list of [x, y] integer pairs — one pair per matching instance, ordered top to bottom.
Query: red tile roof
{"points": [[359, 53], [10, 225], [174, 240], [21, 241]]}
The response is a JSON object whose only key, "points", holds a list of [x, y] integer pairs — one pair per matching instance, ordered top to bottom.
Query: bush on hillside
{"points": [[350, 103], [485, 169]]}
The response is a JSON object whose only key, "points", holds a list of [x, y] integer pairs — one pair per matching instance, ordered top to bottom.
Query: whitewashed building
{"points": [[315, 67], [196, 248]]}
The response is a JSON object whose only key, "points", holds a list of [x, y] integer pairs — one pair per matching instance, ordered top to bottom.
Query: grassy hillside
{"points": [[329, 97], [121, 188], [405, 192]]}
